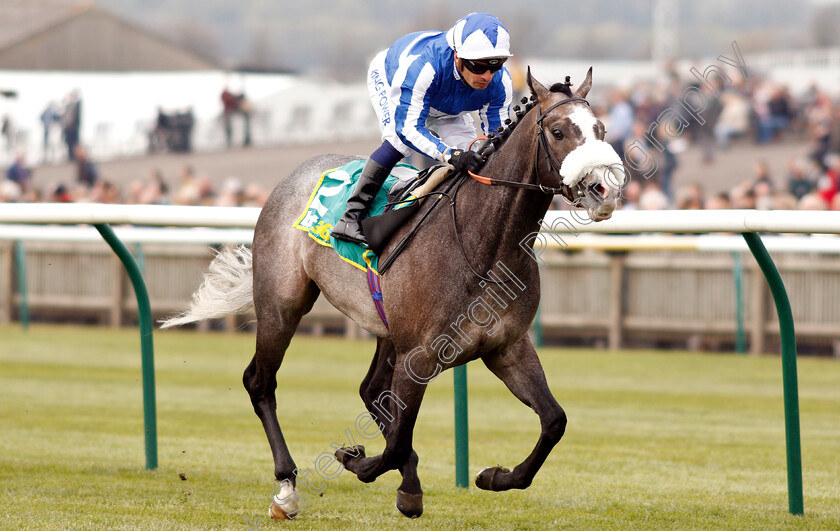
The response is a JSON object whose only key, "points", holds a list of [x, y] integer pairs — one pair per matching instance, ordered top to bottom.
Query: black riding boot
{"points": [[349, 228]]}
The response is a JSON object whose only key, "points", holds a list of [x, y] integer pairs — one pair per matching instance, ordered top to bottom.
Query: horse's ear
{"points": [[584, 87], [537, 88]]}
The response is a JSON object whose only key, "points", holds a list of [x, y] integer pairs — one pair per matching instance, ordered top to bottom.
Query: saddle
{"points": [[404, 199]]}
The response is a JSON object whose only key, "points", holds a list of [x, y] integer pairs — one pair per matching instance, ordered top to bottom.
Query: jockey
{"points": [[422, 89]]}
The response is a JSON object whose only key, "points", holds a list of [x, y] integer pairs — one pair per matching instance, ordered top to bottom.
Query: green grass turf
{"points": [[656, 440]]}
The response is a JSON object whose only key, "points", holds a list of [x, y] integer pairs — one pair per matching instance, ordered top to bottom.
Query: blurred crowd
{"points": [[732, 113], [188, 188]]}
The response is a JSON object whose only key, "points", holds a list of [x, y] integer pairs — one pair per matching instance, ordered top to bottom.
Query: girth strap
{"points": [[376, 295]]}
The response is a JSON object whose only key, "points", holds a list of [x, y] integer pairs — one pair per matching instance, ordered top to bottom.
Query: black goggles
{"points": [[479, 67]]}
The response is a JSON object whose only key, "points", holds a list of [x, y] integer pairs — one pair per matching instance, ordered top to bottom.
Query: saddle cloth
{"points": [[328, 201]]}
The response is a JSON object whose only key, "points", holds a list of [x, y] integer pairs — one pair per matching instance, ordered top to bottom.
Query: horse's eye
{"points": [[558, 134]]}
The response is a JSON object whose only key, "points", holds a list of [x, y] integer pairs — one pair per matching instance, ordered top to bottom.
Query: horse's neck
{"points": [[500, 217]]}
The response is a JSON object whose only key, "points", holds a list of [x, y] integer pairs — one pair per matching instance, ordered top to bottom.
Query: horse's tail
{"points": [[227, 289]]}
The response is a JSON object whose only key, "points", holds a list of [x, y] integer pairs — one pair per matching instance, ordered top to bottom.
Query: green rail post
{"points": [[20, 268], [738, 273], [538, 328], [146, 346], [789, 377], [462, 440]]}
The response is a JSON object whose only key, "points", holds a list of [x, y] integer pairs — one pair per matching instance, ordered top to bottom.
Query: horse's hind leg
{"points": [[276, 324], [519, 368], [377, 382]]}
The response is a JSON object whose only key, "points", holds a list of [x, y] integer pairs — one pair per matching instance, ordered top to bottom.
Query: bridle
{"points": [[572, 194]]}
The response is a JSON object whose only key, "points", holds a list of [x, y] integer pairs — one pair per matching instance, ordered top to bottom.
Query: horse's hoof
{"points": [[345, 455], [487, 478], [285, 505], [410, 505], [275, 512]]}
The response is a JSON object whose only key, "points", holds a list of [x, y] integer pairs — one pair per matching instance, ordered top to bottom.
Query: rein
{"points": [[571, 194]]}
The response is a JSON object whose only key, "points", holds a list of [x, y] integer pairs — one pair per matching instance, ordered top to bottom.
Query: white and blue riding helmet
{"points": [[479, 36]]}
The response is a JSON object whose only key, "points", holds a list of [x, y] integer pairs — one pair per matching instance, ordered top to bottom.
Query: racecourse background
{"points": [[758, 121], [266, 166]]}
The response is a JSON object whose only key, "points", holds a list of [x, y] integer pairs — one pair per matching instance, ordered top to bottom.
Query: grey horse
{"points": [[464, 288]]}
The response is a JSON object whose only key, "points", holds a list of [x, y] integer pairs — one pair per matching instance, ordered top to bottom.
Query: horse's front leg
{"points": [[520, 369], [398, 406]]}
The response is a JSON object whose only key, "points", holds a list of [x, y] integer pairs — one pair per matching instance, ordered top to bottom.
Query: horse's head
{"points": [[571, 150]]}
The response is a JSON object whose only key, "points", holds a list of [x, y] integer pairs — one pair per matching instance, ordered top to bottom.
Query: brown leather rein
{"points": [[570, 193]]}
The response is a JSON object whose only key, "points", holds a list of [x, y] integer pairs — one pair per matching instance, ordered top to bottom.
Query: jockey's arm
{"points": [[494, 114], [411, 115]]}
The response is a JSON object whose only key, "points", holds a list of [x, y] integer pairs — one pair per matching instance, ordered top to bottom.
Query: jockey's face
{"points": [[476, 81]]}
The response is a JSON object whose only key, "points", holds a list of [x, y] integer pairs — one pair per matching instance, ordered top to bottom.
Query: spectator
{"points": [[233, 104], [245, 108], [49, 117], [777, 117], [734, 119], [619, 121], [71, 122], [183, 126], [819, 127], [172, 132], [703, 134], [159, 137], [665, 160], [18, 172], [86, 172], [762, 174], [799, 181], [829, 183], [10, 191], [104, 191], [154, 191], [135, 192], [188, 192], [206, 193], [233, 193], [59, 194], [33, 195], [630, 195], [255, 196], [764, 196], [690, 197], [743, 197], [653, 198], [784, 201], [812, 201], [718, 202]]}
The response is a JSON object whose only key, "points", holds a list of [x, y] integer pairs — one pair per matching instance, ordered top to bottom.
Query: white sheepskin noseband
{"points": [[590, 156]]}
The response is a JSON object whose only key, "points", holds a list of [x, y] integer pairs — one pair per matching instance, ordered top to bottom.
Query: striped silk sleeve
{"points": [[413, 110], [497, 111]]}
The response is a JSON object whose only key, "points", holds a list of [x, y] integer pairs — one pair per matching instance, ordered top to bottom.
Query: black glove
{"points": [[464, 161]]}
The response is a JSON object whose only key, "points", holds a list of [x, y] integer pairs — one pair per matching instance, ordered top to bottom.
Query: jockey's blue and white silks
{"points": [[414, 87]]}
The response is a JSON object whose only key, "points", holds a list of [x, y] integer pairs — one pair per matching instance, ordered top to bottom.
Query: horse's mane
{"points": [[563, 88], [499, 137]]}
